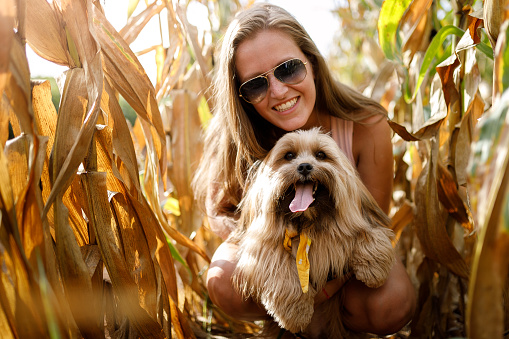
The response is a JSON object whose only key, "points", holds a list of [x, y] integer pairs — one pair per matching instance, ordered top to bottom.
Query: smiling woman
{"points": [[262, 93]]}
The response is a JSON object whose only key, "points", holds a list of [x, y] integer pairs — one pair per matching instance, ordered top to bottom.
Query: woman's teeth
{"points": [[287, 105]]}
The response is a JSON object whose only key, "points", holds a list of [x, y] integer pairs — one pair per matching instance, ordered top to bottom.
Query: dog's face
{"points": [[304, 177]]}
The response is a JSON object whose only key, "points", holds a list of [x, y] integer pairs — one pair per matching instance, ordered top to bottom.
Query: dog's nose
{"points": [[304, 168]]}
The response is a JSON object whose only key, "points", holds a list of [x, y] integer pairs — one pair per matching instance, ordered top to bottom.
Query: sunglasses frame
{"points": [[266, 74]]}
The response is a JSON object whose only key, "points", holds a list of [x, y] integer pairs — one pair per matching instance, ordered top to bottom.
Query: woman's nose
{"points": [[277, 88]]}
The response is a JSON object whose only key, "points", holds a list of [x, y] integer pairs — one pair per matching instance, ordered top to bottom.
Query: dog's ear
{"points": [[251, 174], [246, 206]]}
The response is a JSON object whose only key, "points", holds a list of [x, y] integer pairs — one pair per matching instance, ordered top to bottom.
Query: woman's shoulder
{"points": [[369, 132]]}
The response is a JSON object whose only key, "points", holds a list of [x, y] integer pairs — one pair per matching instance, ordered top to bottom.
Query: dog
{"points": [[307, 189]]}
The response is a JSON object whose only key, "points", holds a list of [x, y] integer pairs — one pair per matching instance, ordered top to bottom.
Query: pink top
{"points": [[342, 133]]}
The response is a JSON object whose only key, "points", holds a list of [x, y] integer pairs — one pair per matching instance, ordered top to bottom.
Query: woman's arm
{"points": [[372, 149]]}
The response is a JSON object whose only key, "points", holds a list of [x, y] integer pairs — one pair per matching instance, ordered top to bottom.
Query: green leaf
{"points": [[132, 7], [390, 15], [72, 48], [487, 50], [432, 51], [504, 64], [204, 112], [172, 205], [177, 256]]}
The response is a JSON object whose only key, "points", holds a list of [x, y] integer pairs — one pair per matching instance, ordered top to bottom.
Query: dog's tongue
{"points": [[303, 197]]}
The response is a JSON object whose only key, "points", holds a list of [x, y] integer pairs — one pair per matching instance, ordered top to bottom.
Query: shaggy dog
{"points": [[307, 189]]}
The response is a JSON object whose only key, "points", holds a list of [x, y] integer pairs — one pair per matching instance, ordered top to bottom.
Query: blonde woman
{"points": [[271, 79]]}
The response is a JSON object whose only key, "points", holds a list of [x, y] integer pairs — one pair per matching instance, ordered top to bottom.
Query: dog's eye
{"points": [[320, 155], [289, 156]]}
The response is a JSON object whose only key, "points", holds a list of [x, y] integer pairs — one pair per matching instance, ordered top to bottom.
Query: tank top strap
{"points": [[342, 133]]}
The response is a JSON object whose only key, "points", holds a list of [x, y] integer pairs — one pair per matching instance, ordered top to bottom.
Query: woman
{"points": [[271, 79]]}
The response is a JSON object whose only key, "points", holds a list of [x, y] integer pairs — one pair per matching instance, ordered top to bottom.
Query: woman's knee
{"points": [[219, 286], [221, 290]]}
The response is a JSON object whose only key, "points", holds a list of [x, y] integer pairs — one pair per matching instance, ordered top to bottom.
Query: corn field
{"points": [[100, 236]]}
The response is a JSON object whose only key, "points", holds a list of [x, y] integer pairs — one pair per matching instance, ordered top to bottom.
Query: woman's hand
{"points": [[331, 288]]}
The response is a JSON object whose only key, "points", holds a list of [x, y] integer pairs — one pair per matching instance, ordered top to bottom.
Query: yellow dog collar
{"points": [[301, 259]]}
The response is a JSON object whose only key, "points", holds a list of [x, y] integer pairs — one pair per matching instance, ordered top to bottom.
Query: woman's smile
{"points": [[286, 105]]}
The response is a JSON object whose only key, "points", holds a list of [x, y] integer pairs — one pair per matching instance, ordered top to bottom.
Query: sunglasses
{"points": [[290, 72]]}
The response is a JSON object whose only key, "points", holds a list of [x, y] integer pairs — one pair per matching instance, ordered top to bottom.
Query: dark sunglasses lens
{"points": [[291, 72], [254, 90]]}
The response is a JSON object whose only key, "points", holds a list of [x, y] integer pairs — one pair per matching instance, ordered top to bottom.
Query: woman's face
{"points": [[288, 107]]}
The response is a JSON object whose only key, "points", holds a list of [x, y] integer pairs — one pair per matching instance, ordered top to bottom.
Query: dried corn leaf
{"points": [[7, 15], [493, 15], [136, 24], [414, 27], [192, 35], [49, 43], [129, 78], [18, 89], [73, 120], [465, 137], [122, 142], [186, 148], [489, 179], [451, 200], [27, 210], [402, 218], [430, 219], [157, 240], [75, 276], [123, 284]]}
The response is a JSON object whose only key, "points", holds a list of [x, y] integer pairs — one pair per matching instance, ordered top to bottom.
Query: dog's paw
{"points": [[373, 258], [372, 276], [294, 316], [296, 319]]}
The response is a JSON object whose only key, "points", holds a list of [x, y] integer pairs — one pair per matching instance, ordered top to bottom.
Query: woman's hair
{"points": [[237, 135]]}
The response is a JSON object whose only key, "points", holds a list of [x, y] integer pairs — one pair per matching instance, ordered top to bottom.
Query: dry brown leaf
{"points": [[7, 15], [493, 15], [136, 23], [414, 26], [192, 35], [49, 43], [129, 78], [18, 90], [451, 95], [45, 119], [74, 119], [465, 137], [123, 145], [187, 146], [489, 181], [451, 200], [402, 218], [430, 219], [137, 254], [75, 276], [124, 285]]}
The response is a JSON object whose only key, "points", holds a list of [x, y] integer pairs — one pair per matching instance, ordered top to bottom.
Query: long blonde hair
{"points": [[237, 135]]}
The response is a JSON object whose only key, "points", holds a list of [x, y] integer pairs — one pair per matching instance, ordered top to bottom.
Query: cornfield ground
{"points": [[100, 236]]}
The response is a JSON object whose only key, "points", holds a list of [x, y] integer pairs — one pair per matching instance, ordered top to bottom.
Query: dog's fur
{"points": [[348, 231]]}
